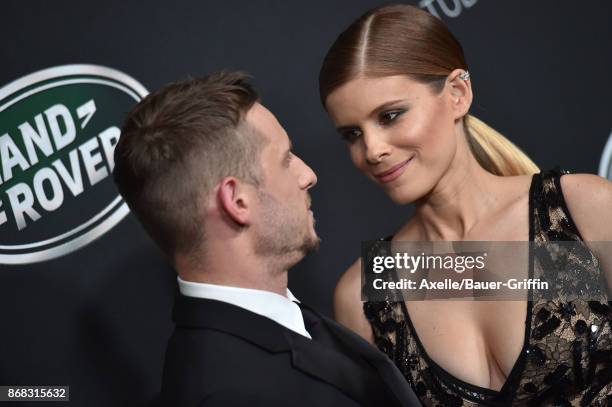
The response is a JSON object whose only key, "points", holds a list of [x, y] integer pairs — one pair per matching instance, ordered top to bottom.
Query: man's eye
{"points": [[389, 117], [351, 135], [288, 158]]}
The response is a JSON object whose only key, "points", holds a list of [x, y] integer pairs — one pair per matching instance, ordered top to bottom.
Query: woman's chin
{"points": [[400, 196]]}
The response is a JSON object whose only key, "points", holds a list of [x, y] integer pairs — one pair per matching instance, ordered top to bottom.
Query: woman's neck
{"points": [[465, 195]]}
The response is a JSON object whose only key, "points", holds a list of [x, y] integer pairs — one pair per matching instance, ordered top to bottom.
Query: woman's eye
{"points": [[389, 117], [351, 135]]}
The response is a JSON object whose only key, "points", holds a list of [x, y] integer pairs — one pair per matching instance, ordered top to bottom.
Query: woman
{"points": [[397, 88]]}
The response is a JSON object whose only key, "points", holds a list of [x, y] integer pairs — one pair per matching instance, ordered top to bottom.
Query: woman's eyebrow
{"points": [[385, 106], [374, 112]]}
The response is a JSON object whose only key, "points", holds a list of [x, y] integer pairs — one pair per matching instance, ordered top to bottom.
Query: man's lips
{"points": [[393, 172]]}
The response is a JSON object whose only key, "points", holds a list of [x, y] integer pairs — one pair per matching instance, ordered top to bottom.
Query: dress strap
{"points": [[553, 218]]}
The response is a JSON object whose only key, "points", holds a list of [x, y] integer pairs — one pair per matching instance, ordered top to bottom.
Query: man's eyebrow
{"points": [[374, 112], [288, 151]]}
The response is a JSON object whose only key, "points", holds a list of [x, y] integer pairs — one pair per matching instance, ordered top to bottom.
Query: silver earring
{"points": [[464, 76]]}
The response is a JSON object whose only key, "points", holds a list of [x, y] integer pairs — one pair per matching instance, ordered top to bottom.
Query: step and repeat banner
{"points": [[85, 296]]}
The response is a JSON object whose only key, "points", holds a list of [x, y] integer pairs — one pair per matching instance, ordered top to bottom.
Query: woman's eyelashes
{"points": [[386, 118], [351, 135]]}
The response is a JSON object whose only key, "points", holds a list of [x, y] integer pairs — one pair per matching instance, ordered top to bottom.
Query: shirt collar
{"points": [[281, 309]]}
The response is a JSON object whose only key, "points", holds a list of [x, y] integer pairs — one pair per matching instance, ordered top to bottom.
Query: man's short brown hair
{"points": [[176, 145]]}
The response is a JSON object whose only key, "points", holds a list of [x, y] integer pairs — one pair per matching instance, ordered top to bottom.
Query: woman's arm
{"points": [[589, 200], [348, 307]]}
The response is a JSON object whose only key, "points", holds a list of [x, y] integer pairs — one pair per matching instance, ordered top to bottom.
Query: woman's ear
{"points": [[460, 90], [233, 201]]}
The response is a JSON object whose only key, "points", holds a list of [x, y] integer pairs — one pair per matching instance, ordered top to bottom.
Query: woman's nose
{"points": [[375, 147]]}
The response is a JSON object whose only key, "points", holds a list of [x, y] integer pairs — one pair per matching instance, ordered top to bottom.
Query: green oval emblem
{"points": [[58, 131]]}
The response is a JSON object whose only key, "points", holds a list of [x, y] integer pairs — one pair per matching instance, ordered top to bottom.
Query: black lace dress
{"points": [[566, 359]]}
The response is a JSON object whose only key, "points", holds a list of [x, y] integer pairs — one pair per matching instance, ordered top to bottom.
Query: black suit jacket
{"points": [[223, 355]]}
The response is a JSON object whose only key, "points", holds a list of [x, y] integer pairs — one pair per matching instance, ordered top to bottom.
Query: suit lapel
{"points": [[211, 314], [313, 357], [337, 369], [394, 382]]}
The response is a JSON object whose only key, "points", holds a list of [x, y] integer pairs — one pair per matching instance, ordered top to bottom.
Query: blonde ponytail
{"points": [[494, 152]]}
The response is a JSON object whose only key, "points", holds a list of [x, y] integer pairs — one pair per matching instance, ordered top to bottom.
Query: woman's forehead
{"points": [[361, 96]]}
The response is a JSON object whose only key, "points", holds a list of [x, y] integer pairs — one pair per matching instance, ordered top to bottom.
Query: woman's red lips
{"points": [[393, 172]]}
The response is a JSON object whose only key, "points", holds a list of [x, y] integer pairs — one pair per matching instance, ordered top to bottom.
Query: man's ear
{"points": [[460, 93], [234, 201]]}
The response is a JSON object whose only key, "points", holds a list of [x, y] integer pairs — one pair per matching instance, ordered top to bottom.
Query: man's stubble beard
{"points": [[282, 233]]}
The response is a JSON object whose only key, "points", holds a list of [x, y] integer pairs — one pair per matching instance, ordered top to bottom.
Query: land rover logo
{"points": [[58, 131], [605, 165]]}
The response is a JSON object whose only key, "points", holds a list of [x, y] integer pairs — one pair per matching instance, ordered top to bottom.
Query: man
{"points": [[210, 174]]}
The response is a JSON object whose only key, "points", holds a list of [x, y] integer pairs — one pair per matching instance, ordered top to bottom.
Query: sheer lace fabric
{"points": [[566, 358]]}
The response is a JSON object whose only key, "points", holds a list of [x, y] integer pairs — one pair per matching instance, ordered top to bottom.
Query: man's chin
{"points": [[311, 244]]}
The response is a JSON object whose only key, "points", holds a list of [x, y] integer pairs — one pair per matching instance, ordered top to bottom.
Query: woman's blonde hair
{"points": [[405, 40], [494, 152]]}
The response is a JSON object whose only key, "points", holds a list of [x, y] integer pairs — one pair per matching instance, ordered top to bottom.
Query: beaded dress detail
{"points": [[566, 359]]}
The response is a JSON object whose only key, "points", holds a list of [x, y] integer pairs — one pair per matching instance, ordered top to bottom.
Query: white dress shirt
{"points": [[282, 310]]}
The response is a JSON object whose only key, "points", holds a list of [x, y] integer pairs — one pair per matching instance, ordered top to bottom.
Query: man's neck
{"points": [[235, 264], [264, 280]]}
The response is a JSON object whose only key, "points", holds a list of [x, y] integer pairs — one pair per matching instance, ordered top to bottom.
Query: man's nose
{"points": [[308, 178]]}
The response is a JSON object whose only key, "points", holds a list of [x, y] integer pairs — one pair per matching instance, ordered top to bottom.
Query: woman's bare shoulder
{"points": [[516, 187], [589, 200], [348, 306]]}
